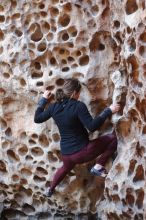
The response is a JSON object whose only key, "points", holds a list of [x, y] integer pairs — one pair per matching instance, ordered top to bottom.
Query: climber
{"points": [[73, 119]]}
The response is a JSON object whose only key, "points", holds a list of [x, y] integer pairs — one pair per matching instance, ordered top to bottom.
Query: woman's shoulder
{"points": [[81, 105]]}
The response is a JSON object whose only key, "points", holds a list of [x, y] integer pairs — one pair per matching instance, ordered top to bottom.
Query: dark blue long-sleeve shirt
{"points": [[73, 119]]}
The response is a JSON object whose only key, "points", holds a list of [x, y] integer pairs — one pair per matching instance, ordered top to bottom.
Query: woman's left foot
{"points": [[99, 171], [49, 193]]}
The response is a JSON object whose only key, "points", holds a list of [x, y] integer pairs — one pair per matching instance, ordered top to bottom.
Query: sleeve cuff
{"points": [[42, 102], [108, 111]]}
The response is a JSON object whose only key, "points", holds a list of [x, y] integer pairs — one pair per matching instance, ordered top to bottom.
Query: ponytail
{"points": [[70, 86], [59, 95]]}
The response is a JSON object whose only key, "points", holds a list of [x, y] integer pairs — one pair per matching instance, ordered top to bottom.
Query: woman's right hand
{"points": [[47, 94], [114, 108]]}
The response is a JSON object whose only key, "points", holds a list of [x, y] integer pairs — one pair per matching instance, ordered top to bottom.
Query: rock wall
{"points": [[103, 44], [125, 185]]}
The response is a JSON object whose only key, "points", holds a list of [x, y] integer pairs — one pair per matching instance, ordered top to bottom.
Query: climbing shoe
{"points": [[101, 171], [50, 193]]}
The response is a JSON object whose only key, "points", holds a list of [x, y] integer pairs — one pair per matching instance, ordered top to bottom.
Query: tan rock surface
{"points": [[103, 44]]}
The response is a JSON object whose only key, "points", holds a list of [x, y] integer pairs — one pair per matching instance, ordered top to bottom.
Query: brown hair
{"points": [[67, 89]]}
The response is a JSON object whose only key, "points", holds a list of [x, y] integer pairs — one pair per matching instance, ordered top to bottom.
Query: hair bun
{"points": [[59, 95]]}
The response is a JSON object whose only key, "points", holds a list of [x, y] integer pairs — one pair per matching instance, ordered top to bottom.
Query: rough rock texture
{"points": [[103, 44], [125, 185]]}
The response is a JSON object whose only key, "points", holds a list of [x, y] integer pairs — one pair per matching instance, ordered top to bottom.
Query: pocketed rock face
{"points": [[102, 43], [125, 184]]}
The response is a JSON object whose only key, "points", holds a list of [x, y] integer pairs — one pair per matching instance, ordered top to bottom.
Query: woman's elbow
{"points": [[36, 120]]}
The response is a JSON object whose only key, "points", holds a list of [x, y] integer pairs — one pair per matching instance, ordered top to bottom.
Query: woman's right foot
{"points": [[99, 170]]}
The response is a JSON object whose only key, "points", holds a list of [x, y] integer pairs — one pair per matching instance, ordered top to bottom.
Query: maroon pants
{"points": [[104, 145]]}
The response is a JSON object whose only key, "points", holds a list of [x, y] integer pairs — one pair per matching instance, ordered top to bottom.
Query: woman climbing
{"points": [[73, 119]]}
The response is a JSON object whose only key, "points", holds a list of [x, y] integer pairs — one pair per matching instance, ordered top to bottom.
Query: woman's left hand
{"points": [[47, 94], [114, 108]]}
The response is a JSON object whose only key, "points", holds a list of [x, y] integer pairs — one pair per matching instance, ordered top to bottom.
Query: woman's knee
{"points": [[113, 137], [114, 143], [67, 163], [67, 167], [62, 171]]}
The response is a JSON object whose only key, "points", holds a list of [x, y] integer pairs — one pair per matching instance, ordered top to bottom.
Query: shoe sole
{"points": [[97, 173]]}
